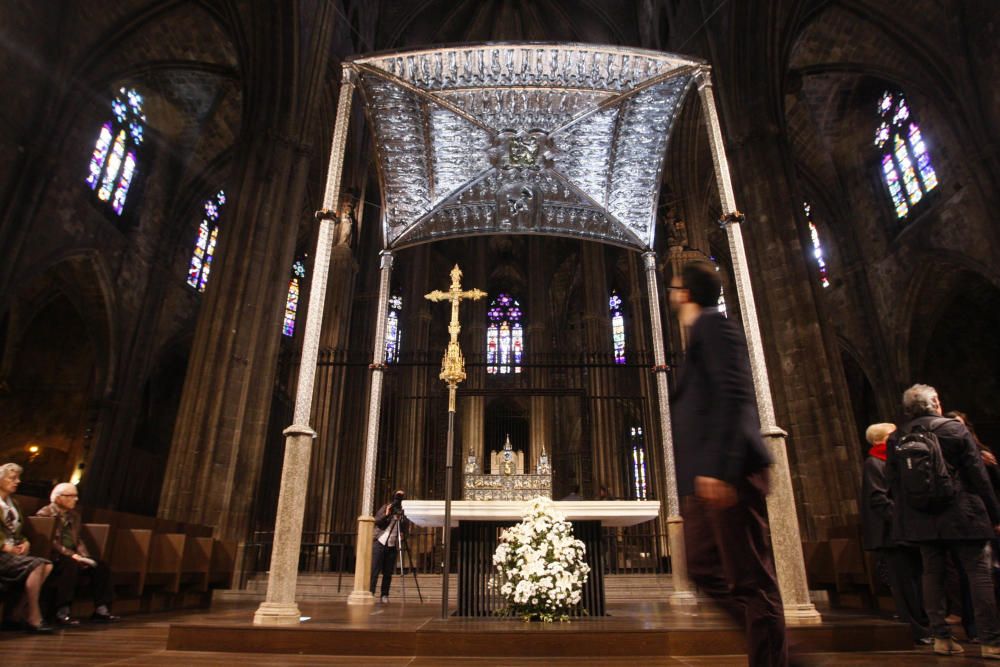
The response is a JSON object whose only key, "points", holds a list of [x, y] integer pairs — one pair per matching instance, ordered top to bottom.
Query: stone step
{"points": [[317, 587]]}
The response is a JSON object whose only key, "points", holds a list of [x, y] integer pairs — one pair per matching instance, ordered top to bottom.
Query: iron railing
{"points": [[635, 550]]}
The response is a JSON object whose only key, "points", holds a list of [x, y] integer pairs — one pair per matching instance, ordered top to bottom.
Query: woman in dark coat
{"points": [[18, 569]]}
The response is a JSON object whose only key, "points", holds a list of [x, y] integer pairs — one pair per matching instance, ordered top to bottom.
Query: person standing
{"points": [[722, 469], [945, 506], [391, 528], [901, 562]]}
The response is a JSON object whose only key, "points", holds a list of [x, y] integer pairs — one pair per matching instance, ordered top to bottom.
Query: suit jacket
{"points": [[713, 410], [65, 521]]}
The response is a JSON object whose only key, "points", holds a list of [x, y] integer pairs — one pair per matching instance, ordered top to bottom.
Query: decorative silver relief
{"points": [[522, 138]]}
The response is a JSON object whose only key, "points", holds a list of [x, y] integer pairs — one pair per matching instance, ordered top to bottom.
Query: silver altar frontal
{"points": [[522, 138], [507, 478], [608, 512]]}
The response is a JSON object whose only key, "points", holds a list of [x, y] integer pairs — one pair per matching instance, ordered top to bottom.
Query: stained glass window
{"points": [[113, 162], [906, 163], [204, 245], [824, 276], [292, 300], [617, 327], [393, 333], [504, 336], [640, 471]]}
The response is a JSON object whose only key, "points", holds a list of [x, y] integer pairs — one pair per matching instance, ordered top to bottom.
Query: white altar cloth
{"points": [[608, 512]]}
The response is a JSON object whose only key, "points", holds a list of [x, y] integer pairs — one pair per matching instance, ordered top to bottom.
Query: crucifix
{"points": [[452, 372]]}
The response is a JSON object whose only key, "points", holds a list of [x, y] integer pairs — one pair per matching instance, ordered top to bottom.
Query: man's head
{"points": [[697, 287], [920, 400], [878, 433], [64, 495]]}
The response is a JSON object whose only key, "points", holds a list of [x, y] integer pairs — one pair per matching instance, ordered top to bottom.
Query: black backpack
{"points": [[927, 481]]}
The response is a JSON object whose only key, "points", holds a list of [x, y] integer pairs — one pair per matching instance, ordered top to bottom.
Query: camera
{"points": [[397, 503]]}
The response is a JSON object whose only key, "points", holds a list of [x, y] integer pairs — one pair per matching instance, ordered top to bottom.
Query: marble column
{"points": [[366, 522], [785, 537], [683, 591], [279, 607]]}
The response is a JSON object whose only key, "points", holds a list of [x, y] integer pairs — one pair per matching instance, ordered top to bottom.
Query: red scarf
{"points": [[878, 450]]}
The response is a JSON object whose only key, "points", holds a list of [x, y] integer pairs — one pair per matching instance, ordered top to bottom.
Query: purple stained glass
{"points": [[99, 156], [113, 162], [907, 169], [204, 245], [291, 308], [393, 332], [504, 336]]}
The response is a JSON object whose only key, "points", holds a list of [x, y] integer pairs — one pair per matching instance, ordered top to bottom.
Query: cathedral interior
{"points": [[149, 141]]}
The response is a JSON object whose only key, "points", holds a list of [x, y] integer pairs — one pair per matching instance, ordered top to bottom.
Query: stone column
{"points": [[366, 522], [785, 537], [683, 591], [279, 607]]}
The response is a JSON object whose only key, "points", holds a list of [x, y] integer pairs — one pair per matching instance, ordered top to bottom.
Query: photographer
{"points": [[390, 525]]}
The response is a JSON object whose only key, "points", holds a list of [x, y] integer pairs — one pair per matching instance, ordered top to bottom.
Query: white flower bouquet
{"points": [[540, 565]]}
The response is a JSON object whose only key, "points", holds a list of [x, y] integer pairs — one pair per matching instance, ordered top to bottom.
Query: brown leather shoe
{"points": [[947, 646]]}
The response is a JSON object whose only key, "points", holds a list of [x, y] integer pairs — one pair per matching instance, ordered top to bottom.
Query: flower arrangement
{"points": [[540, 565]]}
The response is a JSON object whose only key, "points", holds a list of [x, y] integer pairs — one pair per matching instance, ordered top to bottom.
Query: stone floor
{"points": [[142, 640]]}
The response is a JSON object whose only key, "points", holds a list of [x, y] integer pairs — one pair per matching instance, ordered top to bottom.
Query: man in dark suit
{"points": [[722, 467]]}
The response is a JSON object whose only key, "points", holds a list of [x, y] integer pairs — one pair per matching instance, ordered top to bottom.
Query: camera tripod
{"points": [[404, 548]]}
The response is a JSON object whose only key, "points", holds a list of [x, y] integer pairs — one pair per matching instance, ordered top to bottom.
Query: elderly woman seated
{"points": [[18, 570]]}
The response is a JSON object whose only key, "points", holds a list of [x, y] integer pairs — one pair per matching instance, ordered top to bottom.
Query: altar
{"points": [[479, 524]]}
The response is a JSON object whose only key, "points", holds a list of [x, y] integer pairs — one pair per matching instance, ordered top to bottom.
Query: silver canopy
{"points": [[522, 138]]}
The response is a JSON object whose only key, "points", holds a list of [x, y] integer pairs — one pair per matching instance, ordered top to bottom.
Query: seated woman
{"points": [[17, 568]]}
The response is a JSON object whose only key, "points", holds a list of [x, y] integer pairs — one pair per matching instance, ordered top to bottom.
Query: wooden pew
{"points": [[39, 530], [97, 538], [166, 557], [130, 558], [197, 563], [223, 563], [819, 565], [850, 570]]}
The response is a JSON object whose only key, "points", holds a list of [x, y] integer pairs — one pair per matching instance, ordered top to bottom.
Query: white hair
{"points": [[919, 400], [8, 469], [60, 489]]}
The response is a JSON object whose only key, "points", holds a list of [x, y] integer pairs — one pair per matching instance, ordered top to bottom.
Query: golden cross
{"points": [[453, 363]]}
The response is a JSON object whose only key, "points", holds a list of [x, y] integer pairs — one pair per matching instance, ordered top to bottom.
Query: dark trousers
{"points": [[729, 558], [974, 558], [384, 562], [903, 569], [65, 576]]}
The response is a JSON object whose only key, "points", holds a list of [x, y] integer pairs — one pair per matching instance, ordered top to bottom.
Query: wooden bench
{"points": [[39, 530], [130, 558], [166, 558], [197, 563], [223, 563]]}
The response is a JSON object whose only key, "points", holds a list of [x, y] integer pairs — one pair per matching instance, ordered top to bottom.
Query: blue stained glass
{"points": [[113, 162], [617, 328], [393, 332]]}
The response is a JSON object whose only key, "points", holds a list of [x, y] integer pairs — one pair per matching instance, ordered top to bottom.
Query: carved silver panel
{"points": [[522, 138]]}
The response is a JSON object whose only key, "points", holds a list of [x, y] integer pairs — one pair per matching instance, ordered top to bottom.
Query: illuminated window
{"points": [[905, 161], [113, 162], [204, 245], [824, 277], [292, 300], [617, 327], [393, 333], [504, 336], [640, 471]]}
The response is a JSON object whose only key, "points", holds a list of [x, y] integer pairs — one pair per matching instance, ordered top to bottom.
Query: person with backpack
{"points": [[943, 502], [899, 562]]}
